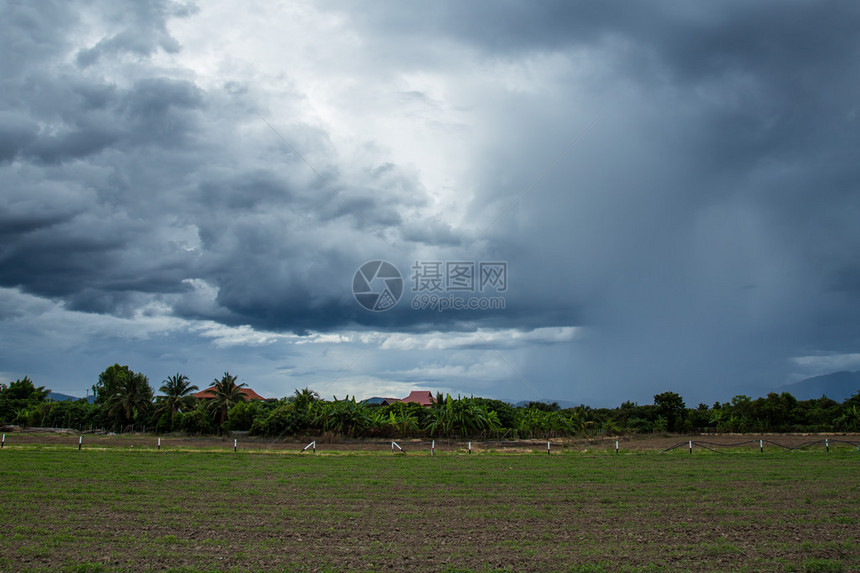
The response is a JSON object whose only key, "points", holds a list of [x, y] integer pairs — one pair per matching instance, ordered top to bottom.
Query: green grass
{"points": [[118, 509]]}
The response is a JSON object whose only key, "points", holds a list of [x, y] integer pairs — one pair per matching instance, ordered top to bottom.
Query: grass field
{"points": [[137, 509]]}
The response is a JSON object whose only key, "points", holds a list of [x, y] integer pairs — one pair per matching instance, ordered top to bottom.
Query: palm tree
{"points": [[177, 395], [226, 395], [132, 398], [302, 399], [849, 420], [578, 422]]}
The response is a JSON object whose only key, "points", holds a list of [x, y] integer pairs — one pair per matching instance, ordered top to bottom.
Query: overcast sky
{"points": [[674, 188]]}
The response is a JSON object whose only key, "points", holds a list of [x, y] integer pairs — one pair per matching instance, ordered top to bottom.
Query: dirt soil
{"points": [[635, 443], [123, 509]]}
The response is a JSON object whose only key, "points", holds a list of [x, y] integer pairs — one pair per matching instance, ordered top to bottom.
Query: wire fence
{"points": [[335, 444], [716, 447]]}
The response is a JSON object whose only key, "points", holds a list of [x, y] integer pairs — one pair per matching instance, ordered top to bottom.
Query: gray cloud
{"points": [[142, 30], [680, 181]]}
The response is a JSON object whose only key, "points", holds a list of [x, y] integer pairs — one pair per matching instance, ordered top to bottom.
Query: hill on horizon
{"points": [[837, 386], [60, 397]]}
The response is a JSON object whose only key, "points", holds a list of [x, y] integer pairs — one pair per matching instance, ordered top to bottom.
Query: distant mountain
{"points": [[837, 386], [57, 397], [376, 400], [563, 404]]}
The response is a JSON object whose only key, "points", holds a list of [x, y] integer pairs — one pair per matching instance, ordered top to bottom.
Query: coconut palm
{"points": [[177, 395], [226, 395], [132, 397], [303, 399], [577, 422]]}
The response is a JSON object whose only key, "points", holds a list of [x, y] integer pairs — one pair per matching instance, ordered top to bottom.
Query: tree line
{"points": [[124, 400]]}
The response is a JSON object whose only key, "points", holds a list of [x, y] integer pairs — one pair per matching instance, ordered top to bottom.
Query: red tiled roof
{"points": [[209, 393], [423, 397]]}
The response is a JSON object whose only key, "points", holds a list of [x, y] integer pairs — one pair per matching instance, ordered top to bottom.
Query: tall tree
{"points": [[109, 382], [24, 389], [227, 394], [177, 395], [132, 397], [303, 399], [19, 400], [670, 406]]}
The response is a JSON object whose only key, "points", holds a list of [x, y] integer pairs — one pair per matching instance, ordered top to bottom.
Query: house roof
{"points": [[209, 393], [423, 397]]}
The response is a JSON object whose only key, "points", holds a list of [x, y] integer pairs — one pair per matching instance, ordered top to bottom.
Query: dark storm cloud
{"points": [[33, 33], [693, 40], [16, 133], [79, 142], [681, 178], [705, 221], [70, 230], [254, 235], [79, 238]]}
